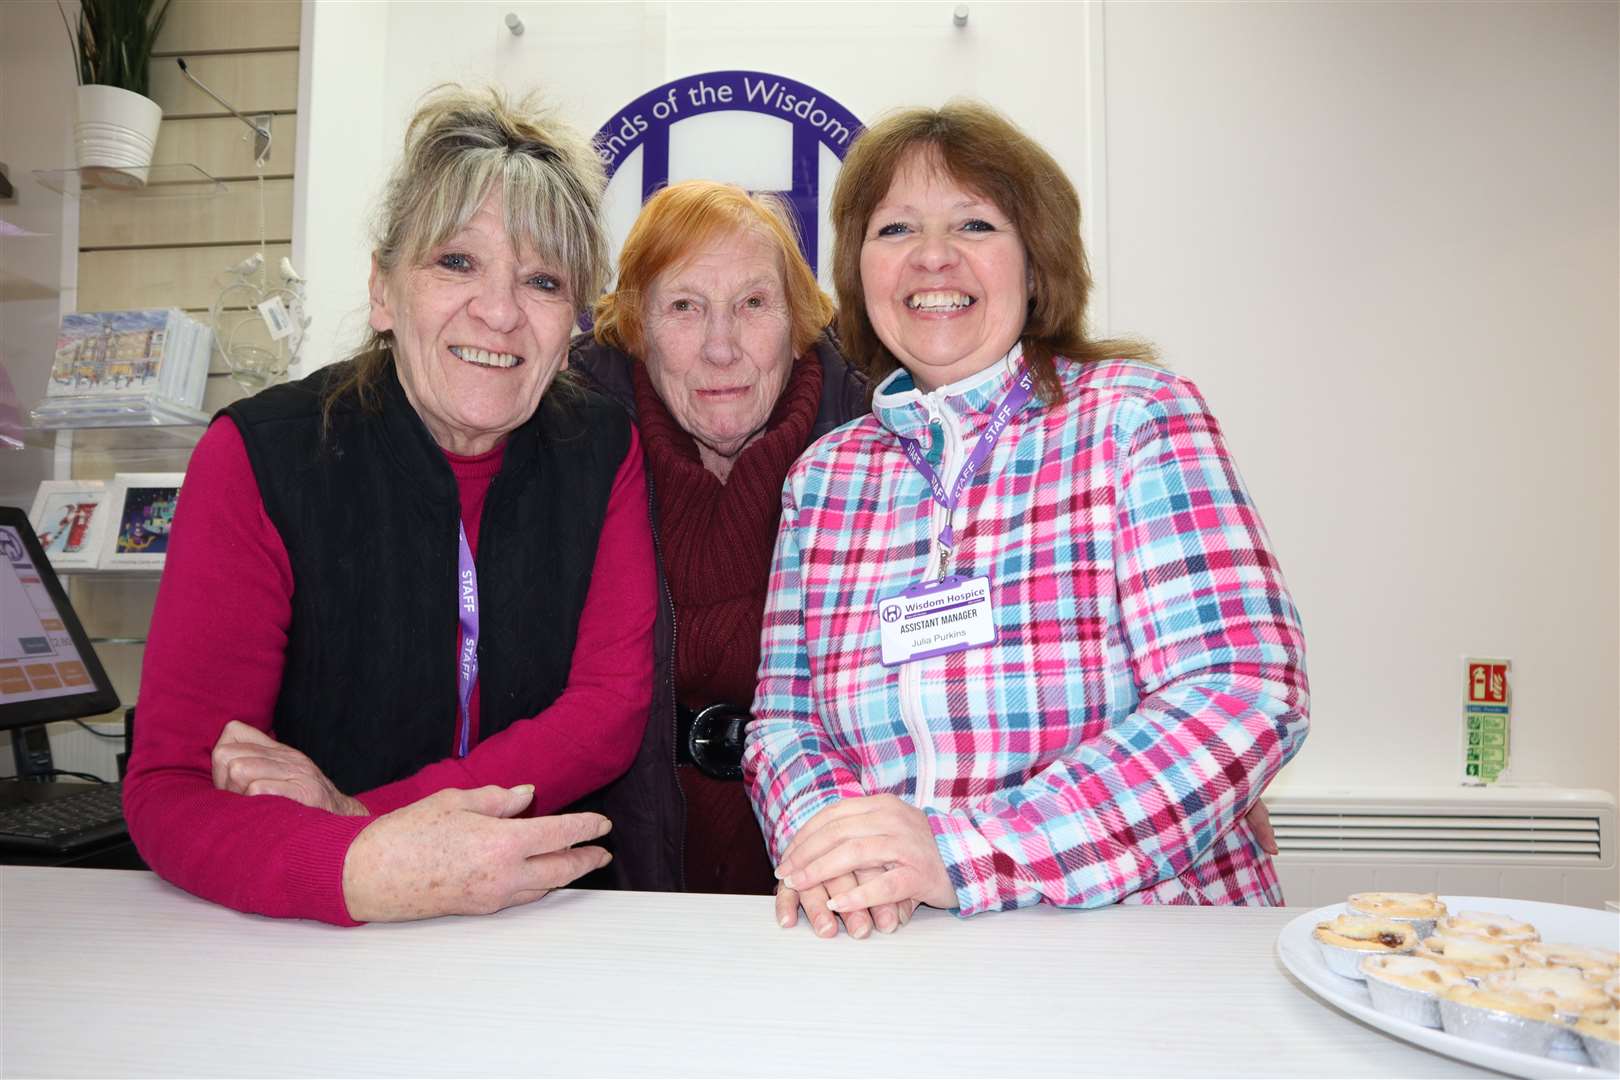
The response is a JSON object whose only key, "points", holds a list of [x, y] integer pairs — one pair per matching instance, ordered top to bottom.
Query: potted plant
{"points": [[117, 125]]}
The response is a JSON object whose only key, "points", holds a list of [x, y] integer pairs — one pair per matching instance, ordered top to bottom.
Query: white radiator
{"points": [[1528, 843]]}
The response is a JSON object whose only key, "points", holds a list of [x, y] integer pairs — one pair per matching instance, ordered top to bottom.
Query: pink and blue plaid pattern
{"points": [[1149, 677]]}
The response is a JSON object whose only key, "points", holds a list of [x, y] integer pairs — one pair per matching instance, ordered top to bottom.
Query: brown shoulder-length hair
{"points": [[461, 147], [986, 154], [675, 224]]}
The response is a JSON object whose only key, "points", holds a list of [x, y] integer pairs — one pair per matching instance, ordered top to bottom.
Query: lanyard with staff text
{"points": [[1018, 396], [467, 662]]}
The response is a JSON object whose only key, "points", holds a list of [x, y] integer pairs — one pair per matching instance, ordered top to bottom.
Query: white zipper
{"points": [[911, 705]]}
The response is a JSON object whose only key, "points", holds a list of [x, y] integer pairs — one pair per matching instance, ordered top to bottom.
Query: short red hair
{"points": [[674, 224]]}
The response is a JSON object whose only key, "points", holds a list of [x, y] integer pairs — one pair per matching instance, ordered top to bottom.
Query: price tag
{"points": [[276, 319]]}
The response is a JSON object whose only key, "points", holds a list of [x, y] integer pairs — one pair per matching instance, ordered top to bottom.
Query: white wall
{"points": [[371, 62], [341, 149], [1381, 237]]}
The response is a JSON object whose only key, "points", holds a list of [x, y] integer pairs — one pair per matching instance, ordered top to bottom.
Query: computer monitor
{"points": [[48, 670]]}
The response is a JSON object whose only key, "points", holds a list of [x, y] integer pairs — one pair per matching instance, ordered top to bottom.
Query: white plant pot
{"points": [[115, 135]]}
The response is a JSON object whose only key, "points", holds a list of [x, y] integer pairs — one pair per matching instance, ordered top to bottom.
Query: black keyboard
{"points": [[67, 823]]}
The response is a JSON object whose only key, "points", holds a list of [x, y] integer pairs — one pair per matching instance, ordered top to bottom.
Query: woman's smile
{"points": [[945, 275], [938, 302], [485, 357]]}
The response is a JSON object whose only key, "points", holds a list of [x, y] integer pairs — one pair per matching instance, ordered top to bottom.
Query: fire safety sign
{"points": [[1487, 706]]}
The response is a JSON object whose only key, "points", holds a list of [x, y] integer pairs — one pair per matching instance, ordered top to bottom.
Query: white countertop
{"points": [[106, 972]]}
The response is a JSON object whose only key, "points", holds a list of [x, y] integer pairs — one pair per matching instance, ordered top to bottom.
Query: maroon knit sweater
{"points": [[717, 539]]}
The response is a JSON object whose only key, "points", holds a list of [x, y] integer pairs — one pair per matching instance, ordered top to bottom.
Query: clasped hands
{"points": [[455, 852], [872, 860], [869, 861]]}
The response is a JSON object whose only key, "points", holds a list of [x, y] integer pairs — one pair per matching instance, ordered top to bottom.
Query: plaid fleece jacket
{"points": [[1149, 674]]}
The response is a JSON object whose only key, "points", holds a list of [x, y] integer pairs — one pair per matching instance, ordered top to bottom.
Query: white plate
{"points": [[1557, 922]]}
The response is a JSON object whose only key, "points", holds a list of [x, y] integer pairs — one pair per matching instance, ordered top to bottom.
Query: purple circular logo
{"points": [[816, 120], [891, 613]]}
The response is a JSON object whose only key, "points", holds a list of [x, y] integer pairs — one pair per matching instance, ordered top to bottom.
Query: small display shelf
{"points": [[97, 184], [133, 411], [142, 435], [149, 575]]}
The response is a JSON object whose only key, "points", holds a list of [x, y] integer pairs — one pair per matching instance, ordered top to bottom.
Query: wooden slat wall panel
{"points": [[208, 25], [253, 82], [224, 146], [231, 217], [162, 277], [221, 392], [100, 461], [114, 607]]}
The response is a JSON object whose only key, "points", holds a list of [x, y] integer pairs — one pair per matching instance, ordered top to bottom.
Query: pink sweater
{"points": [[215, 654]]}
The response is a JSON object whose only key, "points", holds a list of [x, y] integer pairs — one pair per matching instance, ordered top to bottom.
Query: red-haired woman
{"points": [[714, 340]]}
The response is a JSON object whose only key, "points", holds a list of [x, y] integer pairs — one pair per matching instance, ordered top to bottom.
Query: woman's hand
{"points": [[249, 762], [1259, 819], [458, 852], [867, 853], [887, 918]]}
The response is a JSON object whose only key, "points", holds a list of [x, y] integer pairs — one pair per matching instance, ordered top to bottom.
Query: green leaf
{"points": [[116, 39]]}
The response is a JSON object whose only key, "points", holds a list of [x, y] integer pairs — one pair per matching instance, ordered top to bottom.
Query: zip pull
{"points": [[936, 432], [936, 442], [939, 555]]}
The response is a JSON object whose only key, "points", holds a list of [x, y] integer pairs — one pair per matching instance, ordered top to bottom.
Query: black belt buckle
{"points": [[711, 739]]}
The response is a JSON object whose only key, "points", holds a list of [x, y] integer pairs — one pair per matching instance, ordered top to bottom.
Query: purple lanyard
{"points": [[1018, 396], [467, 664]]}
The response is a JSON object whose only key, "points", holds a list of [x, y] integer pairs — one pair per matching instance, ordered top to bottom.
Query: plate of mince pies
{"points": [[1519, 986]]}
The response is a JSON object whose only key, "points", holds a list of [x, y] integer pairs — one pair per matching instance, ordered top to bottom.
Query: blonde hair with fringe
{"points": [[462, 147]]}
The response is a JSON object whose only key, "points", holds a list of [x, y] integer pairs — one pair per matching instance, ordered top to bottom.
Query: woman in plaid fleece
{"points": [[1025, 641]]}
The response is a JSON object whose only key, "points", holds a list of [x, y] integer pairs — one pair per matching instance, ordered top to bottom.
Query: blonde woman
{"points": [[409, 599]]}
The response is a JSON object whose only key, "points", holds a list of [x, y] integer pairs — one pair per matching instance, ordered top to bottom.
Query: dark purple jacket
{"points": [[645, 805]]}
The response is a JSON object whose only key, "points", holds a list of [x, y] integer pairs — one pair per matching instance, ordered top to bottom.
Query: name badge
{"points": [[936, 618]]}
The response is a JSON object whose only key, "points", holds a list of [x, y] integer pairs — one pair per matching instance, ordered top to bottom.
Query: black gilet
{"points": [[368, 512]]}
